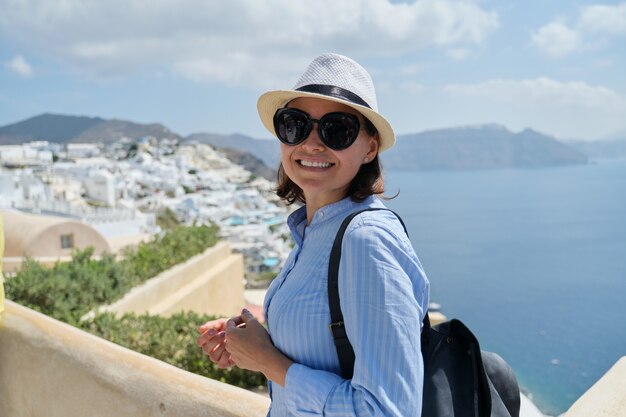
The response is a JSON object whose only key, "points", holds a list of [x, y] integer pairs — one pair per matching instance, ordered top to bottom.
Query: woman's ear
{"points": [[374, 143]]}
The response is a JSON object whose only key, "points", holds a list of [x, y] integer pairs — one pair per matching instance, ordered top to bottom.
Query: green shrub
{"points": [[166, 219], [174, 247], [69, 290], [171, 340]]}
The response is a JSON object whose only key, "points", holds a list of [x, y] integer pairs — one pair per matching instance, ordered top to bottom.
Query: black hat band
{"points": [[333, 91]]}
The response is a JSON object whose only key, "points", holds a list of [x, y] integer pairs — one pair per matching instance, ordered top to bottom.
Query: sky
{"points": [[555, 66]]}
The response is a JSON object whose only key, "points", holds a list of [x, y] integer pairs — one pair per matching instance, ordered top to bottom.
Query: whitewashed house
{"points": [[100, 186]]}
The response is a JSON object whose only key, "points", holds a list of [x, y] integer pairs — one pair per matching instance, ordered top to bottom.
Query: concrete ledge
{"points": [[11, 265], [209, 283], [219, 290], [48, 368], [606, 398]]}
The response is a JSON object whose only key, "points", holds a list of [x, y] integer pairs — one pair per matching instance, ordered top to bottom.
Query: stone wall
{"points": [[209, 283], [48, 368]]}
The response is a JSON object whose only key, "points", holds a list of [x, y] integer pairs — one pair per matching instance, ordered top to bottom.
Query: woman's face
{"points": [[325, 174]]}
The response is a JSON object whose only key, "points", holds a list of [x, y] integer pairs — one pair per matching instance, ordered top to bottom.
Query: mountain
{"points": [[64, 129], [80, 129], [474, 147], [478, 147], [607, 148], [266, 150], [250, 162]]}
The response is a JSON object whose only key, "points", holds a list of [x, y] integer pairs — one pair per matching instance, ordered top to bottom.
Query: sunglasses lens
{"points": [[292, 126], [339, 130]]}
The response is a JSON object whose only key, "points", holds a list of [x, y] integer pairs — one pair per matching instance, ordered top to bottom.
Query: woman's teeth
{"points": [[315, 164]]}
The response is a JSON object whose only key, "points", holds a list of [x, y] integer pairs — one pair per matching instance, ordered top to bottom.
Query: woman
{"points": [[331, 134]]}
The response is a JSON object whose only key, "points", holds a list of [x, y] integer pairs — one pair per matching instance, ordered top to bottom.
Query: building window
{"points": [[67, 241]]}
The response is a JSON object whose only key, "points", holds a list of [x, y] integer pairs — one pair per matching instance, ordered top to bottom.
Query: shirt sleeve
{"points": [[382, 286]]}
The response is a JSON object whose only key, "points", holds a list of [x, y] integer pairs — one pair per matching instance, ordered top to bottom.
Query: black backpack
{"points": [[460, 380]]}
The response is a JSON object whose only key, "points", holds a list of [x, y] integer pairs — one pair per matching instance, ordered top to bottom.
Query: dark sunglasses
{"points": [[337, 130]]}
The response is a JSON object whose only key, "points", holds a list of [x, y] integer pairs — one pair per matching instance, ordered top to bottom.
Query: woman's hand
{"points": [[212, 341], [250, 347]]}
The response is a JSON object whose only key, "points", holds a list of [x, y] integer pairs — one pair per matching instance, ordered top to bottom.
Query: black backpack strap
{"points": [[425, 336], [342, 344]]}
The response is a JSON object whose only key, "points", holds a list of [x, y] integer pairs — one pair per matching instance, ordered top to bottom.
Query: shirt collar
{"points": [[297, 220]]}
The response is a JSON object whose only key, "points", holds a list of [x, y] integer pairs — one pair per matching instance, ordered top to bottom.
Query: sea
{"points": [[533, 261]]}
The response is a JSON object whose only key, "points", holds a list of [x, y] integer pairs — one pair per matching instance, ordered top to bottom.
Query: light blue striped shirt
{"points": [[384, 295]]}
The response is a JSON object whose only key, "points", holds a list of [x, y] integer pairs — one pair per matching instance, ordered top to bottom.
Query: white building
{"points": [[81, 150], [29, 154], [100, 186], [64, 187], [33, 188], [10, 190]]}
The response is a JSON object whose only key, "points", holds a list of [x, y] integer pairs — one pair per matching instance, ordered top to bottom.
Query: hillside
{"points": [[78, 129], [474, 147], [478, 147], [609, 148], [266, 150], [250, 162]]}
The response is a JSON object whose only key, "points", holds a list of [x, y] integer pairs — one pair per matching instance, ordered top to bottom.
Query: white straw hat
{"points": [[336, 78]]}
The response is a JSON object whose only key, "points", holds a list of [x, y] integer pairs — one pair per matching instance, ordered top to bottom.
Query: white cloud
{"points": [[602, 18], [594, 23], [557, 40], [236, 41], [459, 54], [20, 66], [542, 91], [566, 109]]}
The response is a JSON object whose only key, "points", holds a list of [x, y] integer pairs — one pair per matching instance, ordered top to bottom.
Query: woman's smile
{"points": [[307, 163]]}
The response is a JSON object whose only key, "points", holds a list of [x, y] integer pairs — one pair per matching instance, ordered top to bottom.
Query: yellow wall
{"points": [[209, 283], [48, 368]]}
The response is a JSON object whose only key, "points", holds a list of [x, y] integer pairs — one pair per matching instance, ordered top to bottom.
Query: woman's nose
{"points": [[313, 141]]}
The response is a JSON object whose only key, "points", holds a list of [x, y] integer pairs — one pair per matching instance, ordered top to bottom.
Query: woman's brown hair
{"points": [[368, 181]]}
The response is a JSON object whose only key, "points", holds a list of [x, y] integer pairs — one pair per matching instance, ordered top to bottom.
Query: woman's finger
{"points": [[234, 322], [217, 325], [206, 337], [213, 343], [208, 348], [216, 353], [225, 361]]}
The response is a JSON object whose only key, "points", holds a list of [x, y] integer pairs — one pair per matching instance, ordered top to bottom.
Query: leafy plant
{"points": [[167, 219], [69, 290], [171, 340]]}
